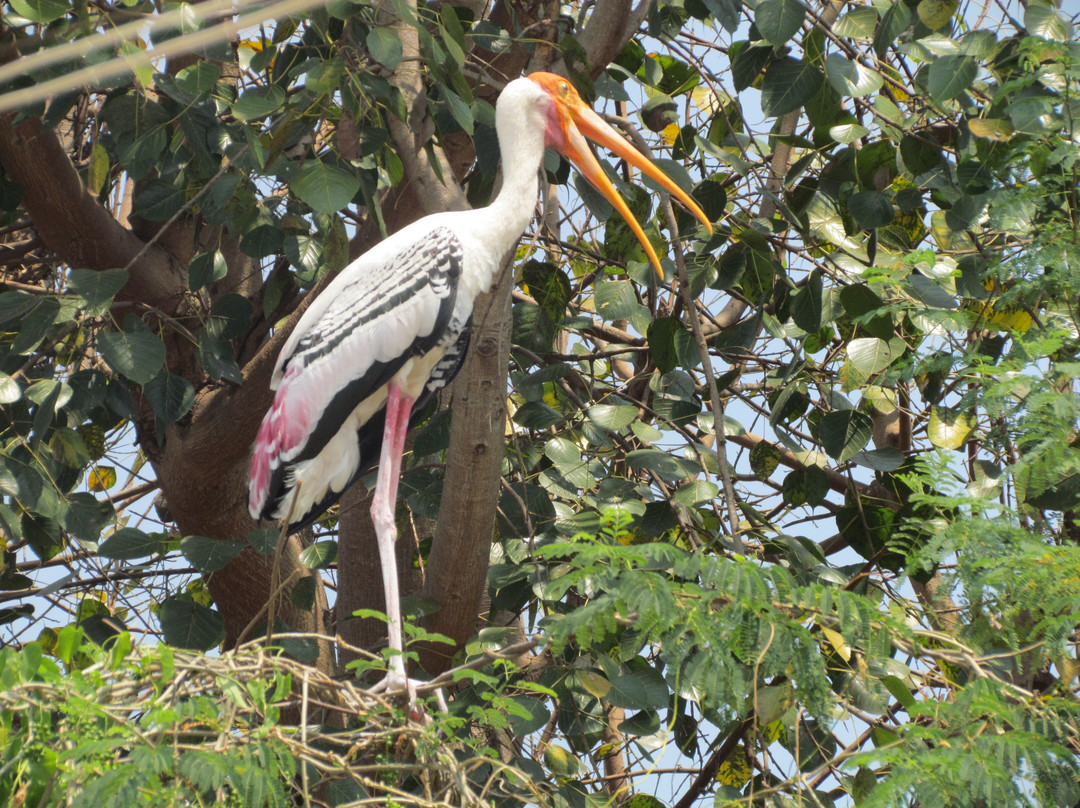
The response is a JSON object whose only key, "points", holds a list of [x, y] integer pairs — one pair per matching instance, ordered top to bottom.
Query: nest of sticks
{"points": [[350, 747]]}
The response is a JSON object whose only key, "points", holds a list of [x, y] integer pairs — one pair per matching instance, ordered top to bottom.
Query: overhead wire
{"points": [[130, 63]]}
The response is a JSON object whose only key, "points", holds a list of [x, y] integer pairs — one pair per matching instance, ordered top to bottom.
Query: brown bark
{"points": [[73, 224], [457, 567], [616, 783]]}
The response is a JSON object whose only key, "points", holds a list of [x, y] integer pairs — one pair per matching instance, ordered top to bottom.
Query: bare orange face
{"points": [[570, 121]]}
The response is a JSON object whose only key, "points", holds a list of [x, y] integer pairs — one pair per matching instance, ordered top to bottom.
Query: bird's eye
{"points": [[564, 88]]}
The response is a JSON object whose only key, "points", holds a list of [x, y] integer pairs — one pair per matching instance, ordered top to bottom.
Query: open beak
{"points": [[570, 121]]}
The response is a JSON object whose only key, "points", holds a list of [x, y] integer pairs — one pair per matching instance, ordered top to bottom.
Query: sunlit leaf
{"points": [[949, 429], [101, 478]]}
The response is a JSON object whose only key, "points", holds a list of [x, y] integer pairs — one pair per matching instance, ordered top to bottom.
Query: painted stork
{"points": [[393, 328]]}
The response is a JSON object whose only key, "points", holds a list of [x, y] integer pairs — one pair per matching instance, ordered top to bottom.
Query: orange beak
{"points": [[570, 121]]}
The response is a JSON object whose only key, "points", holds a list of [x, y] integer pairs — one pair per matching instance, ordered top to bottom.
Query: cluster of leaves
{"points": [[82, 726]]}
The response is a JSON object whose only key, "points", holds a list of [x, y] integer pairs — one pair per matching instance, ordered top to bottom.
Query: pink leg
{"points": [[398, 410]]}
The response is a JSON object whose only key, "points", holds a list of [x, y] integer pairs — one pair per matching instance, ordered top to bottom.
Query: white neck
{"points": [[520, 119]]}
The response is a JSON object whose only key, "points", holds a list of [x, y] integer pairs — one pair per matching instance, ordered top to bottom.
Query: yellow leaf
{"points": [[936, 13], [706, 99], [991, 128], [671, 131], [98, 171], [1019, 321], [949, 429], [94, 438], [101, 478], [199, 593], [839, 644], [595, 683], [773, 731], [559, 761], [735, 770]]}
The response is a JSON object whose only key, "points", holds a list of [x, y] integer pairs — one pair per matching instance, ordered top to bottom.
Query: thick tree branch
{"points": [[610, 26], [433, 195], [73, 224], [459, 556]]}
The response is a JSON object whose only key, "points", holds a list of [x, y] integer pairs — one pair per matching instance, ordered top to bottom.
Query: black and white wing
{"points": [[390, 306]]}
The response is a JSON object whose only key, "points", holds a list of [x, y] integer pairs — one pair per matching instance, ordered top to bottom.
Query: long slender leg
{"points": [[398, 409]]}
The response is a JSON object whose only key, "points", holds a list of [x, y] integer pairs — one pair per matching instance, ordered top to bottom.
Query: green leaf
{"points": [[41, 10], [936, 14], [1041, 19], [779, 20], [857, 23], [893, 23], [384, 47], [949, 76], [849, 78], [788, 85], [258, 102], [458, 109], [919, 156], [97, 171], [326, 189], [159, 200], [870, 209], [262, 240], [303, 253], [205, 268], [97, 289], [616, 300], [14, 305], [807, 308], [230, 317], [36, 324], [672, 344], [136, 354], [871, 355], [216, 357], [10, 392], [171, 396], [536, 415], [611, 417], [844, 433], [566, 457], [764, 459], [880, 459], [667, 466], [806, 486], [697, 493], [264, 540], [127, 543], [210, 555], [320, 555], [186, 624], [640, 689], [899, 690], [533, 707], [645, 722]]}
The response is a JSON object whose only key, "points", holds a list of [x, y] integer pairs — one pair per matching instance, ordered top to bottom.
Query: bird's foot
{"points": [[395, 683]]}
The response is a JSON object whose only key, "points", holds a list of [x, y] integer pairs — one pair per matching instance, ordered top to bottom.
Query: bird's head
{"points": [[570, 121]]}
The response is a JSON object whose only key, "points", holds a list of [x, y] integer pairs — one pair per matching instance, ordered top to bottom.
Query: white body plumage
{"points": [[390, 315]]}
